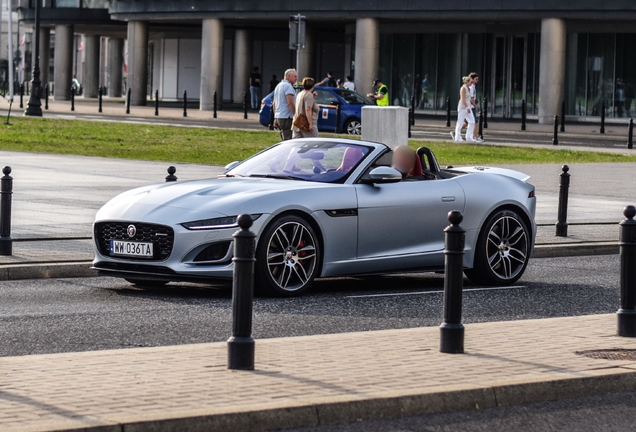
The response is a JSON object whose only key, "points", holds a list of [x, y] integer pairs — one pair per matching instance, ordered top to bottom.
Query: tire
{"points": [[353, 127], [502, 251], [287, 257], [142, 283]]}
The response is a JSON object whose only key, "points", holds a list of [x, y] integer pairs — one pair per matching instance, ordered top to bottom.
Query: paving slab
{"points": [[313, 380]]}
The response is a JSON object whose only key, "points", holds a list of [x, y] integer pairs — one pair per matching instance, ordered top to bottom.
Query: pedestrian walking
{"points": [[329, 80], [273, 83], [349, 84], [255, 88], [381, 95], [283, 104], [475, 104], [306, 106], [464, 112]]}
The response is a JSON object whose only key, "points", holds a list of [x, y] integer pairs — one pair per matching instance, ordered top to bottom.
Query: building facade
{"points": [[534, 52]]}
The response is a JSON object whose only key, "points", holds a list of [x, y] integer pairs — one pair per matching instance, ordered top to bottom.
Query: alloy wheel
{"points": [[507, 247], [291, 256]]}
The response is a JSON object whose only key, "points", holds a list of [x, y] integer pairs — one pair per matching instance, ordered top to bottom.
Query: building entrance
{"points": [[509, 65]]}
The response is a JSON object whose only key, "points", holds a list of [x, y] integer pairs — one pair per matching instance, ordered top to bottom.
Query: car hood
{"points": [[493, 170], [201, 198]]}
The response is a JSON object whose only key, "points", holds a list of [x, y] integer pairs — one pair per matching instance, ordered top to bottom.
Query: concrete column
{"points": [[45, 53], [367, 54], [63, 61], [138, 61], [211, 63], [307, 65], [91, 66], [115, 66], [242, 67], [551, 68]]}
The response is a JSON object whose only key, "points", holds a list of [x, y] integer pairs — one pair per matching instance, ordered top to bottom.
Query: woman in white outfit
{"points": [[464, 112]]}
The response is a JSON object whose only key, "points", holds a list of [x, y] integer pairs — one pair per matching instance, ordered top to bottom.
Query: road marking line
{"points": [[436, 292]]}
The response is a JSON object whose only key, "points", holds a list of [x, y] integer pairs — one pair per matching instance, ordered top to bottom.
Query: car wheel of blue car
{"points": [[353, 127], [287, 257]]}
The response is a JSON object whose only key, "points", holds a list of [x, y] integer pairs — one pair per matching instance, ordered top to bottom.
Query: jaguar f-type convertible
{"points": [[321, 208]]}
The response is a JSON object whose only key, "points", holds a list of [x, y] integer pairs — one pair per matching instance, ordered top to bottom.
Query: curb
{"points": [[575, 249], [47, 270], [389, 405]]}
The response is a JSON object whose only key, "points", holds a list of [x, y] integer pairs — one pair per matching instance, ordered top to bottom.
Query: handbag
{"points": [[300, 121]]}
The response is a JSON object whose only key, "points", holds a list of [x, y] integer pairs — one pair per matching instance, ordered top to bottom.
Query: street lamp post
{"points": [[34, 107]]}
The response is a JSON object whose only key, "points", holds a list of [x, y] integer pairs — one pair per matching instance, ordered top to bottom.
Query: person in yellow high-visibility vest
{"points": [[381, 95]]}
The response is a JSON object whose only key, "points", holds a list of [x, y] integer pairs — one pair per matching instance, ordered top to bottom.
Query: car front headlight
{"points": [[215, 223]]}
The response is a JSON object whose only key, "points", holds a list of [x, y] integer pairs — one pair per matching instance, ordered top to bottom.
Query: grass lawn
{"points": [[217, 146]]}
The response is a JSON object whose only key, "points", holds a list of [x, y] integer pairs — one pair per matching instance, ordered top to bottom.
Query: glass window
{"points": [[67, 3], [96, 4], [475, 58], [403, 63], [384, 72], [426, 72], [448, 72], [600, 72], [576, 74], [625, 74], [324, 97], [352, 98]]}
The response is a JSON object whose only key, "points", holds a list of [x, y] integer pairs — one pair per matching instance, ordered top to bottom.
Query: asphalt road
{"points": [[47, 316], [614, 412]]}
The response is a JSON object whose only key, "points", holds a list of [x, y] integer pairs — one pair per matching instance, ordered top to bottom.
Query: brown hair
{"points": [[473, 75], [308, 83]]}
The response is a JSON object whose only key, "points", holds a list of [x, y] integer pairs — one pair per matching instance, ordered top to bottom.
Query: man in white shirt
{"points": [[349, 84], [473, 101], [284, 104]]}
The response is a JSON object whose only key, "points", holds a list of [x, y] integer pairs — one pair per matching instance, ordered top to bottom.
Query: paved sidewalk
{"points": [[313, 380]]}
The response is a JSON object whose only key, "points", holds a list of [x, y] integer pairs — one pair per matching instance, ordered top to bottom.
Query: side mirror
{"points": [[231, 165], [382, 175]]}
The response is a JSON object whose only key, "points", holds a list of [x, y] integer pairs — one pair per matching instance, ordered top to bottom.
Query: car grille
{"points": [[161, 236], [214, 252]]}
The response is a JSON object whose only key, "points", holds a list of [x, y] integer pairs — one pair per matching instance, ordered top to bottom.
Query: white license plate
{"points": [[131, 249]]}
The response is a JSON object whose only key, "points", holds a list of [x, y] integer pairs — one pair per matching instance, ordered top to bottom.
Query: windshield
{"points": [[351, 97], [317, 161]]}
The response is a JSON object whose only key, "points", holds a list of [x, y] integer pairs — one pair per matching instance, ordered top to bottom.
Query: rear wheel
{"points": [[353, 127], [502, 251], [287, 257], [142, 283]]}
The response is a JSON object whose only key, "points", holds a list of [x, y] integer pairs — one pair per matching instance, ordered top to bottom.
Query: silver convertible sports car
{"points": [[321, 208]]}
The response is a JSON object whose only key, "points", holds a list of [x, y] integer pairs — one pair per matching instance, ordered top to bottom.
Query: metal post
{"points": [[26, 88], [101, 92], [21, 95], [128, 95], [73, 98], [46, 101], [156, 102], [185, 103], [215, 103], [245, 103], [413, 111], [485, 113], [338, 114], [523, 115], [563, 116], [603, 118], [448, 120], [410, 121], [481, 124], [630, 134], [555, 137], [171, 177], [6, 191], [562, 214], [627, 313], [452, 330], [240, 347]]}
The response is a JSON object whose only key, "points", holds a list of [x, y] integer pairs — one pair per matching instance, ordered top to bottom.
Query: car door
{"points": [[327, 110], [408, 217]]}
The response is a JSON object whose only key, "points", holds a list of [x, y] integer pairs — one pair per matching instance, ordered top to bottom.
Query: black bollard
{"points": [[26, 85], [100, 93], [21, 95], [128, 95], [72, 98], [46, 100], [156, 102], [185, 103], [245, 103], [214, 104], [413, 111], [485, 113], [338, 114], [523, 115], [563, 116], [271, 118], [603, 118], [448, 120], [410, 121], [481, 124], [630, 134], [555, 137], [171, 177], [6, 191], [562, 213], [627, 313], [452, 330], [240, 347]]}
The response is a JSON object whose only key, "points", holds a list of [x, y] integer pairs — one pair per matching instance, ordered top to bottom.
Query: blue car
{"points": [[328, 99]]}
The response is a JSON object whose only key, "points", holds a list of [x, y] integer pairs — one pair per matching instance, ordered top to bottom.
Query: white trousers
{"points": [[462, 115]]}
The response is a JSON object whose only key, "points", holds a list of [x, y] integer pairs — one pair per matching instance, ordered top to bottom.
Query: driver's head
{"points": [[404, 160]]}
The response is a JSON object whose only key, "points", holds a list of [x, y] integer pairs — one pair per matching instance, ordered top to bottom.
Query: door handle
{"points": [[448, 199]]}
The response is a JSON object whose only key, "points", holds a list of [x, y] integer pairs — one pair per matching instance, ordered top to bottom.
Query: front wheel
{"points": [[353, 127], [502, 251], [287, 257]]}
